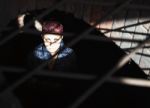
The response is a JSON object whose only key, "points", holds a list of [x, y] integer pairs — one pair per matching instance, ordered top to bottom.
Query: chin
{"points": [[52, 51]]}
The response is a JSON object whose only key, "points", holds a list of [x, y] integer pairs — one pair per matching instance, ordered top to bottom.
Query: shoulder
{"points": [[41, 52], [65, 52]]}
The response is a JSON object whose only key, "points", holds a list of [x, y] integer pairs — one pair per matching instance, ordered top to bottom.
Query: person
{"points": [[60, 57]]}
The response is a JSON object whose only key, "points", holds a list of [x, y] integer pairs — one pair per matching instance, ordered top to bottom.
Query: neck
{"points": [[53, 53]]}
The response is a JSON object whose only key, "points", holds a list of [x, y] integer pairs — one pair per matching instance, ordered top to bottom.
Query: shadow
{"points": [[124, 27], [130, 32], [128, 49], [93, 57]]}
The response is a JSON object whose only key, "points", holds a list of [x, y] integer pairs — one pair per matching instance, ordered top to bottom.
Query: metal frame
{"points": [[84, 35]]}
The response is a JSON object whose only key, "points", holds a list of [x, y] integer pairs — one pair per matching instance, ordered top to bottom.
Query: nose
{"points": [[52, 40]]}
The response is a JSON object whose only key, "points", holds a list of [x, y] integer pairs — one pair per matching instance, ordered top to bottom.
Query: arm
{"points": [[21, 22]]}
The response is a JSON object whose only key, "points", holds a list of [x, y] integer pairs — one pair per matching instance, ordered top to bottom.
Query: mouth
{"points": [[53, 47]]}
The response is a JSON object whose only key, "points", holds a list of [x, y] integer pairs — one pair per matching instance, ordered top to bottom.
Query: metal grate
{"points": [[100, 81]]}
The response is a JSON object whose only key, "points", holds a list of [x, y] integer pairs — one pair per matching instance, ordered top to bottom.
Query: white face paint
{"points": [[52, 42]]}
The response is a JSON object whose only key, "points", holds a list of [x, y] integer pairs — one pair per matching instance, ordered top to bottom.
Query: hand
{"points": [[20, 20]]}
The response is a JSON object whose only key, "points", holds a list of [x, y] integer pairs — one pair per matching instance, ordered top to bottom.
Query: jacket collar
{"points": [[42, 53]]}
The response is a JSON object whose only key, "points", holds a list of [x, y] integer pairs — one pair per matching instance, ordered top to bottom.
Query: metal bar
{"points": [[99, 3], [110, 4], [141, 7], [109, 14], [136, 24], [125, 31], [35, 32], [9, 37], [92, 37], [105, 39], [128, 49], [48, 73], [30, 74], [23, 79], [102, 80], [137, 82], [89, 92]]}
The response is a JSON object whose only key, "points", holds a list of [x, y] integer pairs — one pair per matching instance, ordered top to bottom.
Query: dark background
{"points": [[94, 57]]}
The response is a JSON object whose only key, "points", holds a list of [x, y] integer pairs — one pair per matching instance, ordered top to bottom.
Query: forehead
{"points": [[51, 36]]}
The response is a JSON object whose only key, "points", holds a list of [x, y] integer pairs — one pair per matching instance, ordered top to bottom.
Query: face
{"points": [[52, 42]]}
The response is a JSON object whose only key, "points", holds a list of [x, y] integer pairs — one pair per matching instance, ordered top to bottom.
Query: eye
{"points": [[55, 39], [47, 40]]}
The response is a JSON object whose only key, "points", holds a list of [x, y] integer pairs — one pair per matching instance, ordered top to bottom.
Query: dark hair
{"points": [[28, 17], [52, 27]]}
